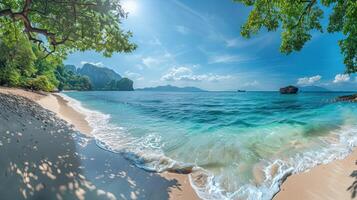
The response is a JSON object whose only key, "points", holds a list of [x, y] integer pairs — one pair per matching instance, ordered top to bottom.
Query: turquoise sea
{"points": [[240, 145]]}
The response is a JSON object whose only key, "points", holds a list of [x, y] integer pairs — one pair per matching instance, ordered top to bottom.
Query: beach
{"points": [[58, 132], [44, 157], [335, 180]]}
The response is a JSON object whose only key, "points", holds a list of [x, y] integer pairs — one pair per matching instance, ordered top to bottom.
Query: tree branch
{"points": [[306, 11], [6, 12], [23, 16]]}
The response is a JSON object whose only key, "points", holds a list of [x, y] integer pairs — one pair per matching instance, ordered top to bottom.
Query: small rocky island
{"points": [[289, 90], [349, 98]]}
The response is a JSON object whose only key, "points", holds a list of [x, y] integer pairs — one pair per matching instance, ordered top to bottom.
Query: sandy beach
{"points": [[58, 105], [335, 180], [139, 185]]}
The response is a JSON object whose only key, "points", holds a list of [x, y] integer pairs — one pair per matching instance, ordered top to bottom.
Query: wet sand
{"points": [[58, 105], [104, 169], [335, 181]]}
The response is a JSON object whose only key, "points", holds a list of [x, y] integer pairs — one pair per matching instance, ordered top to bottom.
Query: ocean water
{"points": [[239, 145]]}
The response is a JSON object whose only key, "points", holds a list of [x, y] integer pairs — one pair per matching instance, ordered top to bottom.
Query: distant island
{"points": [[92, 77], [170, 88], [313, 89], [289, 90]]}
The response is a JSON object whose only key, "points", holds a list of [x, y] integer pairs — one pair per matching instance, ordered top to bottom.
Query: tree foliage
{"points": [[298, 18], [66, 25], [31, 30], [16, 61], [21, 66], [40, 83]]}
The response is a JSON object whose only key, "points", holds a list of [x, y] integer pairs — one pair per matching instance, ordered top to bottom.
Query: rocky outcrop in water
{"points": [[289, 90], [350, 98]]}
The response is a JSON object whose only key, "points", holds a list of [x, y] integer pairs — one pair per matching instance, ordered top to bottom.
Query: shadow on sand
{"points": [[41, 159], [353, 187]]}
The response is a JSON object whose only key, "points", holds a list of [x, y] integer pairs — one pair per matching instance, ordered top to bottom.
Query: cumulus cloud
{"points": [[182, 29], [99, 64], [178, 74], [186, 74], [133, 75], [339, 78], [309, 80]]}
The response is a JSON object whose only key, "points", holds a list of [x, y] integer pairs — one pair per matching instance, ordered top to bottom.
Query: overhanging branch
{"points": [[306, 11], [29, 29]]}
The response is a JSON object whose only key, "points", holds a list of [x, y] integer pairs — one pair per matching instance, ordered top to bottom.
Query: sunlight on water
{"points": [[241, 144]]}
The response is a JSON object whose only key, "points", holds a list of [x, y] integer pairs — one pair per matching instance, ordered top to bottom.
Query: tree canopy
{"points": [[298, 18], [62, 26], [31, 30], [20, 66]]}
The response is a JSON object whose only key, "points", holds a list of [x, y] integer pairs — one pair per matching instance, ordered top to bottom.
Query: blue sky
{"points": [[190, 43]]}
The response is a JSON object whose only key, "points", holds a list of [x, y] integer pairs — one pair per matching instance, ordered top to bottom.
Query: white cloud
{"points": [[191, 11], [182, 29], [257, 42], [226, 59], [151, 61], [155, 62], [99, 64], [177, 73], [186, 74], [133, 75], [214, 77], [339, 78], [309, 80]]}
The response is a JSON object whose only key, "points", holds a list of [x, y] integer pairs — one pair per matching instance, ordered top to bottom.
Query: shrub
{"points": [[41, 83]]}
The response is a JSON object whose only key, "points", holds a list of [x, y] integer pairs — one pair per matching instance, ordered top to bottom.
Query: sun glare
{"points": [[130, 6]]}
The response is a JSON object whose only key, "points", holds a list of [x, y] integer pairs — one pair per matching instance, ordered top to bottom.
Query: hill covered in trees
{"points": [[101, 78], [69, 80]]}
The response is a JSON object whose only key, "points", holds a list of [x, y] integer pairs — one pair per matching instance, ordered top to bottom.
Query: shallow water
{"points": [[242, 144]]}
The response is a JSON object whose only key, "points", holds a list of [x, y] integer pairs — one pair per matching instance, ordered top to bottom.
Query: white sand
{"points": [[58, 105]]}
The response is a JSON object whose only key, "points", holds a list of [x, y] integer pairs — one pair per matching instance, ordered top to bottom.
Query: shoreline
{"points": [[58, 105], [62, 109], [67, 113], [334, 180]]}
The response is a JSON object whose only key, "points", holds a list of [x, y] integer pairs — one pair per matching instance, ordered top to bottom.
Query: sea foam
{"points": [[146, 153]]}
